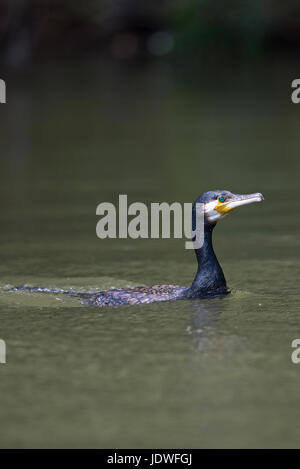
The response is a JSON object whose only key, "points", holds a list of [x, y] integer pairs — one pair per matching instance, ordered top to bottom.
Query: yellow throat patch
{"points": [[222, 208]]}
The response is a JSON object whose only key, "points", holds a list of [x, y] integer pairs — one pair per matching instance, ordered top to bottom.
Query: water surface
{"points": [[203, 373]]}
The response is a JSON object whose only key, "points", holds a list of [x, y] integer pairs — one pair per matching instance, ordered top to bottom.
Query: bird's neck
{"points": [[209, 278]]}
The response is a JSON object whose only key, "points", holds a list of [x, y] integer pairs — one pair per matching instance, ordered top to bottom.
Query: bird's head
{"points": [[217, 204]]}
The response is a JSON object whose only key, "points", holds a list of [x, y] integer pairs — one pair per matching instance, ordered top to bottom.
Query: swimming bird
{"points": [[209, 280]]}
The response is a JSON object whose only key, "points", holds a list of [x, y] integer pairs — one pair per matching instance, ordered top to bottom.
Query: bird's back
{"points": [[137, 295]]}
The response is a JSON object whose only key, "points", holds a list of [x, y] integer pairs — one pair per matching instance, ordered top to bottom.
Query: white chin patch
{"points": [[210, 212]]}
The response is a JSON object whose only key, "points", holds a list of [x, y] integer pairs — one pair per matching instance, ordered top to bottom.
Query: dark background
{"points": [[195, 30]]}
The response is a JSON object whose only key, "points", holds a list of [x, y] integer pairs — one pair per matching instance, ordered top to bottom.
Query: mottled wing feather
{"points": [[137, 295]]}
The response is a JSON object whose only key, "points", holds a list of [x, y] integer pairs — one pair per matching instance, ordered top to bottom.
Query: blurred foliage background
{"points": [[33, 30]]}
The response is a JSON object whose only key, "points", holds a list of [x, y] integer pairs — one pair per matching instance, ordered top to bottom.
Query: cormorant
{"points": [[209, 280]]}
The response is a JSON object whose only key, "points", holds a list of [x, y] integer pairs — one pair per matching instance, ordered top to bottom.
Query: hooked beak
{"points": [[240, 199], [237, 200]]}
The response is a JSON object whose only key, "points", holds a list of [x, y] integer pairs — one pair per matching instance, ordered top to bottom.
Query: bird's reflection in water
{"points": [[204, 321]]}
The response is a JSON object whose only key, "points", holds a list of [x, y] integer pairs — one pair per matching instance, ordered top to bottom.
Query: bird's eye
{"points": [[221, 199]]}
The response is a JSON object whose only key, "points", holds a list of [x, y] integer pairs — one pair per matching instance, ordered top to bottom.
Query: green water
{"points": [[210, 373]]}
